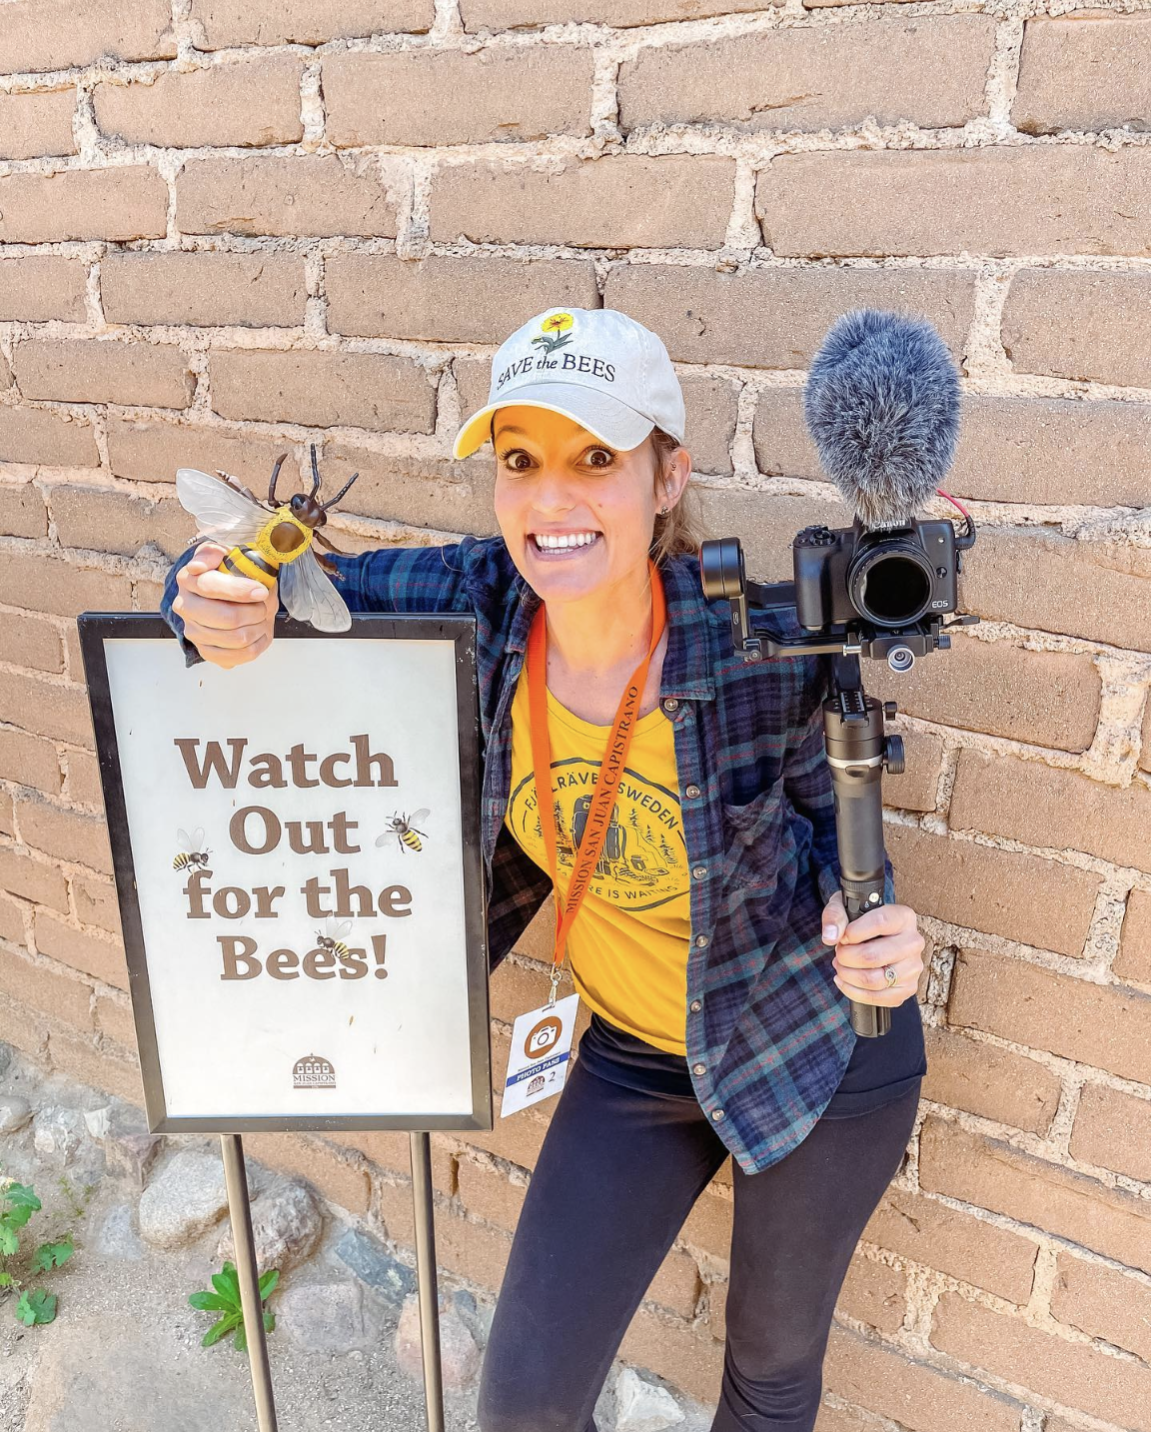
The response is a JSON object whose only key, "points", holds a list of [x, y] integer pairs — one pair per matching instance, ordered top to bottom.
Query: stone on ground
{"points": [[15, 1112], [59, 1133], [130, 1150], [184, 1200], [287, 1222], [116, 1237], [371, 1262], [325, 1317], [459, 1355], [643, 1407]]}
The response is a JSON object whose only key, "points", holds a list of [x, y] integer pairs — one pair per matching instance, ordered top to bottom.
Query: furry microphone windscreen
{"points": [[882, 403]]}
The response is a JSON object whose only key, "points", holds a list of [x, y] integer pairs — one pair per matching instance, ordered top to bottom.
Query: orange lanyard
{"points": [[610, 772]]}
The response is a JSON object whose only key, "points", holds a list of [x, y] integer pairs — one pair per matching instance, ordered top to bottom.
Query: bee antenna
{"points": [[315, 473], [275, 474], [333, 500]]}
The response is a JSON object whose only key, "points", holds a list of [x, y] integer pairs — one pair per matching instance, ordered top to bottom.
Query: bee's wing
{"points": [[219, 510], [309, 595], [418, 817], [197, 838], [380, 839], [185, 840], [343, 927]]}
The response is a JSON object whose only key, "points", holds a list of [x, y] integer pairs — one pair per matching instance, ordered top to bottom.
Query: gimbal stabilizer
{"points": [[857, 749]]}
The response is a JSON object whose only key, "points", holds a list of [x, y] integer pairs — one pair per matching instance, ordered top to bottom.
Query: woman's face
{"points": [[555, 480]]}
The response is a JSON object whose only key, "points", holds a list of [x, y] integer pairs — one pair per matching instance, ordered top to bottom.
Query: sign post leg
{"points": [[239, 1207], [426, 1277]]}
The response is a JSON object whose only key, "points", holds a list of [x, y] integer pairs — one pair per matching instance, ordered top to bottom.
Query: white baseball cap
{"points": [[597, 366]]}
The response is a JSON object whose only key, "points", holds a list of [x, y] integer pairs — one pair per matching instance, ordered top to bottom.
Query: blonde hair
{"points": [[682, 529]]}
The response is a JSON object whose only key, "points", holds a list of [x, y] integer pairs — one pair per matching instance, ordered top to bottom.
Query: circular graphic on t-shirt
{"points": [[643, 859]]}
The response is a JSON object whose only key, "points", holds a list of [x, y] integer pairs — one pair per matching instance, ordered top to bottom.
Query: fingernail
{"points": [[830, 934]]}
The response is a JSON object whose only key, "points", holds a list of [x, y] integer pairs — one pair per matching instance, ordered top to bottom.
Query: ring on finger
{"points": [[891, 975]]}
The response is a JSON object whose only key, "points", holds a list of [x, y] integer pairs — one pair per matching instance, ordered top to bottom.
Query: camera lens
{"points": [[721, 568], [890, 582], [901, 658]]}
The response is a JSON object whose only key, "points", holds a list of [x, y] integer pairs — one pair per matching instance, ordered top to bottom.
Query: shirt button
{"points": [[671, 704], [693, 792], [699, 872], [700, 941], [696, 1006], [699, 1068], [717, 1115]]}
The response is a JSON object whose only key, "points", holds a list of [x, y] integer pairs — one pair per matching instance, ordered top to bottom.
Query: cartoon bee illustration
{"points": [[271, 542], [403, 829], [192, 852], [333, 936]]}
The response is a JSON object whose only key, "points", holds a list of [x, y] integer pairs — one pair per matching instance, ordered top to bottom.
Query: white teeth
{"points": [[575, 539]]}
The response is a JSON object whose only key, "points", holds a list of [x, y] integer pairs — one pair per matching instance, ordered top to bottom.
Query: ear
{"points": [[676, 474]]}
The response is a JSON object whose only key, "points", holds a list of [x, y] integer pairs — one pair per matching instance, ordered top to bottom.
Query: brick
{"points": [[515, 14], [305, 22], [56, 35], [1083, 71], [929, 72], [435, 98], [252, 101], [35, 124], [302, 196], [622, 201], [1000, 201], [117, 203], [42, 286], [202, 289], [447, 299], [777, 318], [1080, 324], [103, 371], [6, 378], [324, 389], [34, 435], [151, 452], [437, 493], [22, 510], [110, 520], [766, 525], [1036, 578], [46, 583], [28, 641], [1043, 697], [46, 708], [1145, 756], [84, 780], [915, 788], [1036, 804], [81, 839], [31, 879], [1022, 897], [95, 903], [11, 922], [90, 954], [1134, 959], [35, 983], [516, 987], [113, 1017], [1106, 1026], [99, 1068], [994, 1083], [1113, 1130], [516, 1138], [386, 1148], [337, 1177], [1002, 1179], [487, 1194], [708, 1225], [956, 1243], [472, 1251], [676, 1284], [875, 1294], [1103, 1303], [692, 1361], [1069, 1373], [842, 1419]]}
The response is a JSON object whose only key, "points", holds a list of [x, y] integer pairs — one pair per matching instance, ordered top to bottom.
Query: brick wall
{"points": [[227, 228]]}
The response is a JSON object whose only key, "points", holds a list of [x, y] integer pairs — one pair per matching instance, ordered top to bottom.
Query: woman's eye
{"points": [[610, 456], [509, 459]]}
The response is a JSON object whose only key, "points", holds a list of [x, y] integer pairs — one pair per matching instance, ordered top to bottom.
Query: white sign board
{"points": [[296, 849]]}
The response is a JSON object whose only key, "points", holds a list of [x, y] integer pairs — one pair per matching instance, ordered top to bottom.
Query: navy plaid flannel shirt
{"points": [[766, 1025]]}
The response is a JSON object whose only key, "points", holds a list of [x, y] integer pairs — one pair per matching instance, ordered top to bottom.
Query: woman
{"points": [[719, 1023]]}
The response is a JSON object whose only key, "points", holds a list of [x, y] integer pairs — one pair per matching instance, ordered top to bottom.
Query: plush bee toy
{"points": [[272, 547]]}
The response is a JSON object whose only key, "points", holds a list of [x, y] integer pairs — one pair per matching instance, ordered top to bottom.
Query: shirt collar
{"points": [[688, 665]]}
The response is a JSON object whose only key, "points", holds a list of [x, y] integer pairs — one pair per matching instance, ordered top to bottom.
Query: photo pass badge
{"points": [[540, 1056]]}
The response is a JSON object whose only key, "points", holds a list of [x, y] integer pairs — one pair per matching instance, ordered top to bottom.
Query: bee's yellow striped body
{"points": [[282, 539], [411, 840]]}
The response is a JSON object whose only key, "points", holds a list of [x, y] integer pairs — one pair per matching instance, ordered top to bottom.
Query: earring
{"points": [[663, 511]]}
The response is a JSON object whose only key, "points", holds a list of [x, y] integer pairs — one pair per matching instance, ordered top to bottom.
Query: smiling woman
{"points": [[677, 801]]}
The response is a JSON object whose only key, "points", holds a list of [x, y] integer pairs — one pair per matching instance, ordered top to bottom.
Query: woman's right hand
{"points": [[228, 619]]}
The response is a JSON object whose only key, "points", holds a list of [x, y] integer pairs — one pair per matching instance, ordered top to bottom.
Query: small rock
{"points": [[5, 1057], [14, 1111], [59, 1133], [130, 1150], [184, 1200], [287, 1222], [117, 1238], [370, 1261], [324, 1317], [459, 1355], [643, 1407]]}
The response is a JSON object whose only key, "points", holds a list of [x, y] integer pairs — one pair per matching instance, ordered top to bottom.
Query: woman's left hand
{"points": [[887, 937]]}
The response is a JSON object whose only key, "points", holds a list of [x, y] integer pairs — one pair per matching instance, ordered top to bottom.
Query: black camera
{"points": [[890, 578]]}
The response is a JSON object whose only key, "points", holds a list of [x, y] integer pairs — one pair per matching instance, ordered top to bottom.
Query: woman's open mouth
{"points": [[562, 546]]}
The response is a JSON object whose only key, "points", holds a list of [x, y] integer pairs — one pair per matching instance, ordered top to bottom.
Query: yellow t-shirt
{"points": [[628, 945]]}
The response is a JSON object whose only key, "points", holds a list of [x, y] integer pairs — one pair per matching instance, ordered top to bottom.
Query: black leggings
{"points": [[617, 1176]]}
